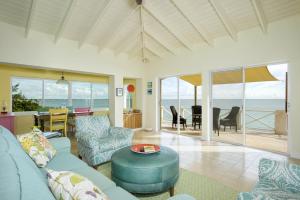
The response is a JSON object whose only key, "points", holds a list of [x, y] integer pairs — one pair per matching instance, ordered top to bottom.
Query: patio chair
{"points": [[175, 116], [196, 116], [216, 116], [231, 119]]}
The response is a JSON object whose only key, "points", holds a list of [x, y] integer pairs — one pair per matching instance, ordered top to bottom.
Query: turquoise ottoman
{"points": [[145, 174]]}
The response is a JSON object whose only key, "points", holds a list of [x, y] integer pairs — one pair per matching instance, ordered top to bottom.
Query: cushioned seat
{"points": [[97, 140], [65, 161], [139, 173]]}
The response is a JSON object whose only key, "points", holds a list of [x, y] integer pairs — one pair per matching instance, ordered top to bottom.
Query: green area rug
{"points": [[196, 185]]}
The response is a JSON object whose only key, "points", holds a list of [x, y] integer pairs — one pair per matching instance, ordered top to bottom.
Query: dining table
{"points": [[41, 117]]}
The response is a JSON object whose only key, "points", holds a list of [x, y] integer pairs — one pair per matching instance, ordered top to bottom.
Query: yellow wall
{"points": [[8, 71], [133, 82], [24, 123]]}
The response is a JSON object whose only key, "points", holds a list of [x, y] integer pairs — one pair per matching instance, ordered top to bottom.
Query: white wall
{"points": [[280, 44], [39, 50]]}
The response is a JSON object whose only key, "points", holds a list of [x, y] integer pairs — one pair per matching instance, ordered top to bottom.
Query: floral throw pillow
{"points": [[37, 147], [66, 185]]}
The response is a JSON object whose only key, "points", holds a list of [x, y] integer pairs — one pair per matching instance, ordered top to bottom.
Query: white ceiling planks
{"points": [[167, 28]]}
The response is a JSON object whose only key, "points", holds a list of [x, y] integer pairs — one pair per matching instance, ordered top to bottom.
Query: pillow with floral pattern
{"points": [[37, 146], [67, 185]]}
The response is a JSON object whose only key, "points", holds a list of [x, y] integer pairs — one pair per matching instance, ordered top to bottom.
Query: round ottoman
{"points": [[145, 174]]}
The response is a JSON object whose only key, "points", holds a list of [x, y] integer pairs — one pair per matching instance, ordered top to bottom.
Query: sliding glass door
{"points": [[180, 102], [169, 104], [227, 106], [249, 106]]}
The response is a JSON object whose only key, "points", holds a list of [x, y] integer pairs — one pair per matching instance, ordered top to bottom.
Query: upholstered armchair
{"points": [[97, 140], [277, 180]]}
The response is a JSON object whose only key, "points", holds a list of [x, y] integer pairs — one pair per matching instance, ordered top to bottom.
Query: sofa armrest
{"points": [[124, 133], [61, 144]]}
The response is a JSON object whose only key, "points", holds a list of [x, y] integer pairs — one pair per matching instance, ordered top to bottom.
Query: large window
{"points": [[39, 95]]}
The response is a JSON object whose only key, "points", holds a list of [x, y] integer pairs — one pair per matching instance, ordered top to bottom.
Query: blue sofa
{"points": [[97, 140], [21, 179], [277, 181]]}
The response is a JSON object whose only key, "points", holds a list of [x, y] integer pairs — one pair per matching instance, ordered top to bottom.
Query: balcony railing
{"points": [[269, 121]]}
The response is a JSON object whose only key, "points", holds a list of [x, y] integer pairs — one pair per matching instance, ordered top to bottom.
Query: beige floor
{"points": [[260, 140], [235, 166]]}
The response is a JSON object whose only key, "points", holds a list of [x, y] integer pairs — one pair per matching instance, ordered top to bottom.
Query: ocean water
{"points": [[76, 103], [255, 108]]}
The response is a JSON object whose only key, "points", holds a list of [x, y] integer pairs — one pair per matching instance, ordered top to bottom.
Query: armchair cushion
{"points": [[93, 125]]}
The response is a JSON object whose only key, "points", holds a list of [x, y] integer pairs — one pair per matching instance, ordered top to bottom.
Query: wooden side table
{"points": [[8, 121]]}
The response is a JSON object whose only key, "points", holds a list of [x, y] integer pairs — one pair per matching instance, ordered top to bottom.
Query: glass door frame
{"points": [[178, 102], [243, 114]]}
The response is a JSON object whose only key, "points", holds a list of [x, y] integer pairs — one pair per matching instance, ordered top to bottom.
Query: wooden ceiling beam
{"points": [[222, 15], [260, 15], [30, 17], [65, 20], [95, 22], [163, 24], [117, 30], [201, 31], [159, 42], [152, 52]]}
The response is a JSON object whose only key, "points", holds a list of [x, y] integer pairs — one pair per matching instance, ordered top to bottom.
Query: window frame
{"points": [[69, 94]]}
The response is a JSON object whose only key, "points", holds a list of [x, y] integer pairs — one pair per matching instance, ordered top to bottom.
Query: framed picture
{"points": [[149, 88], [149, 91], [119, 92]]}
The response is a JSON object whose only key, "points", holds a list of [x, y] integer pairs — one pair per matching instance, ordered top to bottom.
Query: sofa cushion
{"points": [[61, 144], [66, 162], [70, 185]]}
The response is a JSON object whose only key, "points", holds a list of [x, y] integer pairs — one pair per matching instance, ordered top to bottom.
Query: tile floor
{"points": [[234, 166]]}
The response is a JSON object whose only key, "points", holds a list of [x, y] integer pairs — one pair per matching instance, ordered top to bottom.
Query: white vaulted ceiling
{"points": [[155, 29]]}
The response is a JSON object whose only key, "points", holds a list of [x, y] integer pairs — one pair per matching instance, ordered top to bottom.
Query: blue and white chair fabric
{"points": [[97, 140], [277, 181]]}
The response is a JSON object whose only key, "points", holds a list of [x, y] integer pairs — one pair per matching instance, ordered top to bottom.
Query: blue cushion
{"points": [[61, 144], [66, 162]]}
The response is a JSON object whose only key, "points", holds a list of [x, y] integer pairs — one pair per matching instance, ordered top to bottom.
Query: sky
{"points": [[258, 90]]}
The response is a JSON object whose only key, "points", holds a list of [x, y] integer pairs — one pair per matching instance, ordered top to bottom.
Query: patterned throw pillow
{"points": [[37, 147], [66, 185]]}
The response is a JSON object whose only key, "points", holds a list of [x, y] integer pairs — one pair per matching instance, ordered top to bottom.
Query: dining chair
{"points": [[78, 112], [231, 119], [58, 120]]}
